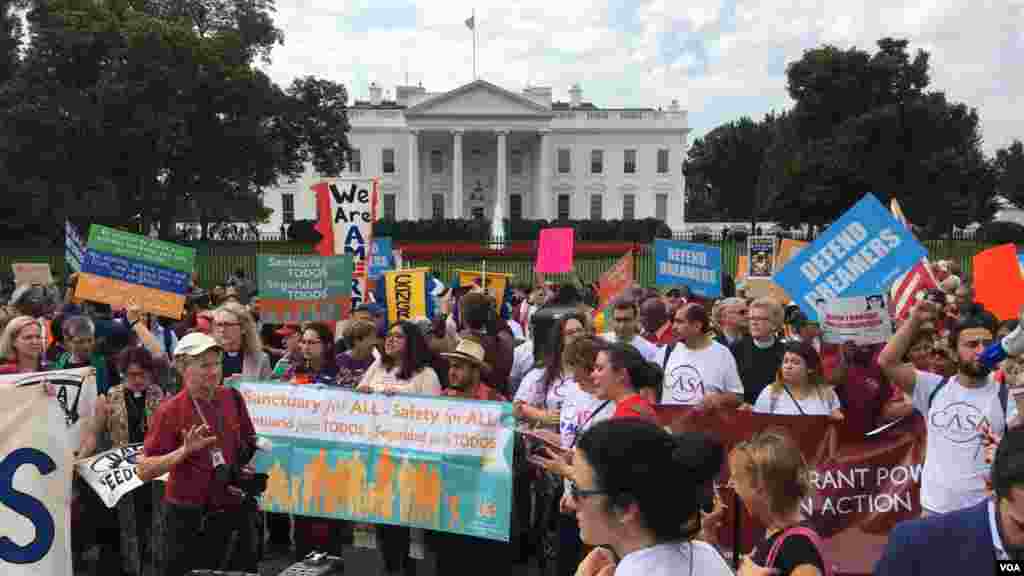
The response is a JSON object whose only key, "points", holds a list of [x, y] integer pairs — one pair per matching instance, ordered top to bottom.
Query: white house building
{"points": [[456, 154]]}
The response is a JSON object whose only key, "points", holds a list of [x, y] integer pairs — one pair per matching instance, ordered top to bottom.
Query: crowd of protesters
{"points": [[600, 488]]}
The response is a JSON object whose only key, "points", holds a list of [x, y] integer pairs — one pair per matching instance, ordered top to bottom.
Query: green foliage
{"points": [[155, 110], [1009, 165]]}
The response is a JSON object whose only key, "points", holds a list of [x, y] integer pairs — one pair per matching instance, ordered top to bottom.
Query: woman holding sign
{"points": [[404, 368]]}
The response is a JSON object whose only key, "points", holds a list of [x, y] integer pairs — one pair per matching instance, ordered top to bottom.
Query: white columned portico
{"points": [[414, 174], [457, 191], [502, 191], [542, 200]]}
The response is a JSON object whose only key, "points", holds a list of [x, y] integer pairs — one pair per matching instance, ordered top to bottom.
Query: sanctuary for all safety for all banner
{"points": [[429, 462], [863, 485]]}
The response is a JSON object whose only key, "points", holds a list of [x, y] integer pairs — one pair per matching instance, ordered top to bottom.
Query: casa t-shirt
{"points": [[692, 374], [532, 391], [821, 402], [954, 463], [673, 559]]}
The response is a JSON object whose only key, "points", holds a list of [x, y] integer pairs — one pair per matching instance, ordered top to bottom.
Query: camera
{"points": [[251, 483]]}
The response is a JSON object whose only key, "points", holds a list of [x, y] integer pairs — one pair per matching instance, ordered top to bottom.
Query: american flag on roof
{"points": [[911, 286]]}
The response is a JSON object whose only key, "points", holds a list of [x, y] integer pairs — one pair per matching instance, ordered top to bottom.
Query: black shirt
{"points": [[232, 364], [758, 367], [136, 408], [796, 550]]}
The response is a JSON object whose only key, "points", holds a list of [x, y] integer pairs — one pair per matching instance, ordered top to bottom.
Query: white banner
{"points": [[859, 319], [112, 473], [35, 480]]}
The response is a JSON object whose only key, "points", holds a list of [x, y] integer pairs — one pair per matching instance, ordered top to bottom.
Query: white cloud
{"points": [[974, 48]]}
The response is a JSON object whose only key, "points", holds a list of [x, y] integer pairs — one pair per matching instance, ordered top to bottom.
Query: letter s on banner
{"points": [[35, 481], [27, 506]]}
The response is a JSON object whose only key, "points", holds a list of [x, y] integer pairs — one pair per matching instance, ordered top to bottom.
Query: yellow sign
{"points": [[496, 282], [406, 294]]}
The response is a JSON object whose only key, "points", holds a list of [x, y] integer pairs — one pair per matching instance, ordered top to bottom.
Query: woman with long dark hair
{"points": [[318, 364], [404, 368], [544, 389], [624, 472]]}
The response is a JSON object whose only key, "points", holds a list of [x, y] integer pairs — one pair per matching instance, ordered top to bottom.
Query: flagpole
{"points": [[474, 43]]}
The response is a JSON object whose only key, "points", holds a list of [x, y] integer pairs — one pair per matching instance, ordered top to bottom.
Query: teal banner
{"points": [[428, 462]]}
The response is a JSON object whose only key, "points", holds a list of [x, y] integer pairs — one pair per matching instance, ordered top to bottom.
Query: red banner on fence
{"points": [[864, 485]]}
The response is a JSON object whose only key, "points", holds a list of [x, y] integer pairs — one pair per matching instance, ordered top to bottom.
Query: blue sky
{"points": [[720, 59]]}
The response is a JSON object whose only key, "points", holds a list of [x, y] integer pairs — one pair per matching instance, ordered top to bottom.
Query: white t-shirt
{"points": [[517, 329], [649, 351], [522, 362], [692, 374], [531, 391], [77, 401], [820, 403], [575, 415], [954, 461], [674, 559]]}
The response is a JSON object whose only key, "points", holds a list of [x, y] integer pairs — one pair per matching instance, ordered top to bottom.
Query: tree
{"points": [[153, 109], [865, 123], [725, 164], [1009, 165]]}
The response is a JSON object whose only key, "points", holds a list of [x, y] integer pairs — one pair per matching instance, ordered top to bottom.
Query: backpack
{"points": [[1004, 398], [811, 535]]}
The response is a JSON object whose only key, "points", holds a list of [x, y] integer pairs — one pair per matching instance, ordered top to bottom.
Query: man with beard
{"points": [[957, 409]]}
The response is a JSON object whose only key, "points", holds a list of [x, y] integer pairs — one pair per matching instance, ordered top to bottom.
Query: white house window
{"points": [[387, 160], [355, 161], [564, 161], [597, 161], [663, 161], [436, 162], [517, 162], [629, 162], [437, 206], [563, 206], [388, 207], [515, 207], [628, 207], [661, 207], [288, 208], [596, 208]]}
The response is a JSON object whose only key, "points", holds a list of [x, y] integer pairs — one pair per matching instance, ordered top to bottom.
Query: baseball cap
{"points": [[287, 330], [195, 344]]}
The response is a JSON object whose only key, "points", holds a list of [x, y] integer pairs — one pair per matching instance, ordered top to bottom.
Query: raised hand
{"points": [[198, 438]]}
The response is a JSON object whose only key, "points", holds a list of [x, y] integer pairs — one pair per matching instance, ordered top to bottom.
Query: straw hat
{"points": [[469, 350]]}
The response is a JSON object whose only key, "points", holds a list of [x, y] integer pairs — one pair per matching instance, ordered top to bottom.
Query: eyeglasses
{"points": [[226, 324], [579, 494]]}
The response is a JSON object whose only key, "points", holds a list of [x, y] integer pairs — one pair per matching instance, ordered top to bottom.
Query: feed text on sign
{"points": [[831, 275]]}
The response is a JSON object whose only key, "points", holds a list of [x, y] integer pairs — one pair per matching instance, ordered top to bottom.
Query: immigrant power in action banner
{"points": [[429, 462], [35, 480], [863, 485]]}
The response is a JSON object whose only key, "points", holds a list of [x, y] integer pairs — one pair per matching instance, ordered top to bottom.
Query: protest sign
{"points": [[346, 209], [74, 248], [555, 253], [860, 254], [760, 256], [382, 257], [697, 266], [120, 267], [32, 273], [615, 281], [997, 281], [497, 282], [302, 288], [406, 292], [862, 320], [429, 462], [35, 472], [112, 473], [863, 484]]}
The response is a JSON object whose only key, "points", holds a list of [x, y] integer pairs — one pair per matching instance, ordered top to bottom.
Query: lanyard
{"points": [[220, 416]]}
